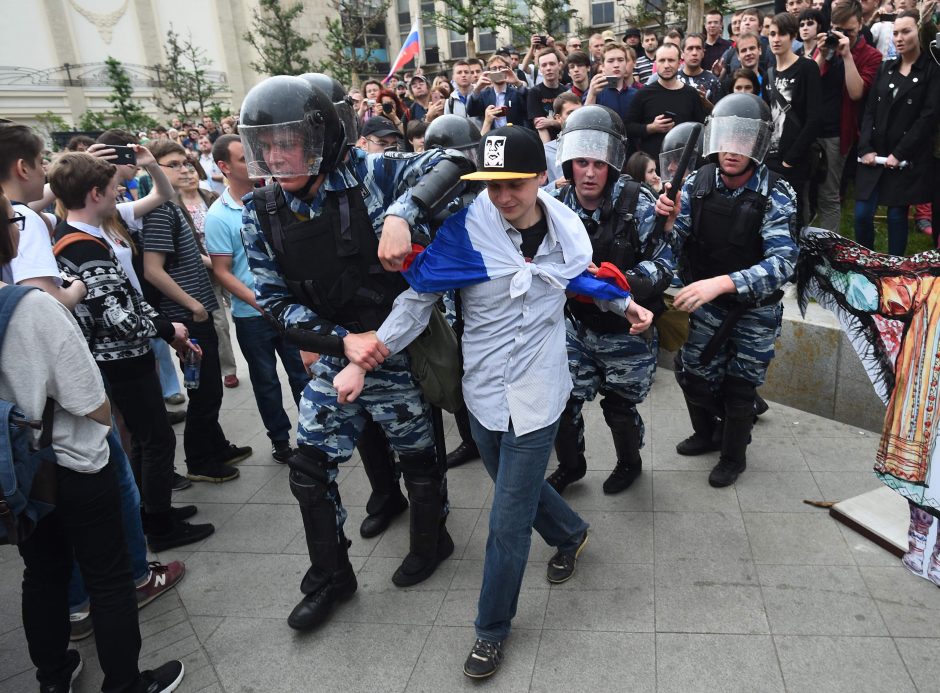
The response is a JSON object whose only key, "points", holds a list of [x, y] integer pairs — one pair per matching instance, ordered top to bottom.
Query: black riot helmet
{"points": [[341, 102], [739, 124], [290, 128], [454, 132], [592, 132], [673, 145]]}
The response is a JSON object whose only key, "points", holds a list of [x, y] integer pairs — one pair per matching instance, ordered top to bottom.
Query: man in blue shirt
{"points": [[614, 86], [257, 338]]}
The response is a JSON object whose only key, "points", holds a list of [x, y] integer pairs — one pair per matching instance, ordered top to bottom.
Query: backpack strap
{"points": [[629, 195], [267, 210], [76, 237], [10, 296]]}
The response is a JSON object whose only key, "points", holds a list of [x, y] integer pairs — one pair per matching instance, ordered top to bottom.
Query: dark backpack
{"points": [[27, 474]]}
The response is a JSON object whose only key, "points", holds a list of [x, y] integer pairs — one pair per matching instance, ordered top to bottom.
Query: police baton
{"points": [[676, 183]]}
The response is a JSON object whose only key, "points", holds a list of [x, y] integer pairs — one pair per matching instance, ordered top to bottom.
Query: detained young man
{"points": [[513, 253]]}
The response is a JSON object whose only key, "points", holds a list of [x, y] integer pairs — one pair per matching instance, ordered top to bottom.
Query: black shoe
{"points": [[760, 405], [176, 417], [697, 445], [281, 451], [463, 453], [233, 454], [214, 472], [725, 473], [564, 475], [621, 478], [180, 482], [183, 512], [378, 522], [181, 534], [562, 565], [415, 568], [314, 608], [484, 659], [70, 673], [162, 679]]}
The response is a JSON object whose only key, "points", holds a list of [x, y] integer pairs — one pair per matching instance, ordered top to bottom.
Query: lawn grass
{"points": [[917, 242]]}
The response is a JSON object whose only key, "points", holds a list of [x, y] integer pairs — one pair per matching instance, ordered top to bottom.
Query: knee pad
{"points": [[697, 390], [738, 395], [615, 405], [419, 465], [309, 474]]}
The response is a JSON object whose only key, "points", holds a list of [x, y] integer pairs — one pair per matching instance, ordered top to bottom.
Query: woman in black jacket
{"points": [[900, 123]]}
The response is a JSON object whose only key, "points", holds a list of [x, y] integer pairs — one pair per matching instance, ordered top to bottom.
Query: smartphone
{"points": [[888, 17], [543, 39], [497, 76], [612, 82], [503, 112], [669, 114], [123, 155]]}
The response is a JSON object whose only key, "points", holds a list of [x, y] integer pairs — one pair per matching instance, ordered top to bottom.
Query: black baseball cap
{"points": [[631, 32], [380, 127], [509, 153]]}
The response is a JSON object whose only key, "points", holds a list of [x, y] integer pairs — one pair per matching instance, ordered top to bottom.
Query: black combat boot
{"points": [[738, 396], [625, 429], [702, 441], [467, 450], [571, 463], [386, 501], [429, 541], [330, 579]]}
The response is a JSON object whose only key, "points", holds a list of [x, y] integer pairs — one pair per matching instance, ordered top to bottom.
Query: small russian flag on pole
{"points": [[409, 50]]}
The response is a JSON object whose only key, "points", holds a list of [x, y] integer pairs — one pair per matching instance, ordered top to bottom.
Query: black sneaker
{"points": [[176, 417], [281, 451], [463, 453], [233, 454], [213, 471], [180, 482], [183, 512], [181, 534], [562, 565], [80, 625], [484, 659], [69, 674], [162, 679]]}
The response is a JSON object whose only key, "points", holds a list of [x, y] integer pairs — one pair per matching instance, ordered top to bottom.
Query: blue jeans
{"points": [[897, 225], [259, 343], [169, 381], [522, 500], [130, 513]]}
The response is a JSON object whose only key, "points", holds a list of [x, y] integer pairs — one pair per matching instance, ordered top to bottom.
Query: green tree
{"points": [[663, 14], [466, 17], [553, 17], [349, 44], [281, 47], [186, 89], [127, 112], [90, 121], [49, 122]]}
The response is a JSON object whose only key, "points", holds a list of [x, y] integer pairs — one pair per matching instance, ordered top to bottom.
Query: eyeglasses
{"points": [[385, 145], [177, 165], [19, 220]]}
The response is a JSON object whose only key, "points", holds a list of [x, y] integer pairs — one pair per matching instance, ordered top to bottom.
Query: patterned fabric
{"points": [[778, 231], [612, 364]]}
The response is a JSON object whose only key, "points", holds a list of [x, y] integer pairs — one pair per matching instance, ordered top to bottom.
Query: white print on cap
{"points": [[494, 152]]}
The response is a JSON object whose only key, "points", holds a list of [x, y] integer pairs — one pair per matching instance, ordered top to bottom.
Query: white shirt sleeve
{"points": [[126, 210], [34, 258]]}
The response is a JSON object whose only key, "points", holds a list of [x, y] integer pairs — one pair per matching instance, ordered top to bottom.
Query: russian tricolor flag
{"points": [[409, 50]]}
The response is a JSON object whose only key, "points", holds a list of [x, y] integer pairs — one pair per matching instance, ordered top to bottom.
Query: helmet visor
{"points": [[347, 117], [735, 135], [591, 144], [283, 150], [669, 164]]}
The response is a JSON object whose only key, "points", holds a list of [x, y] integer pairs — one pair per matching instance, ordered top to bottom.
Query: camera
{"points": [[543, 39], [832, 41], [387, 107]]}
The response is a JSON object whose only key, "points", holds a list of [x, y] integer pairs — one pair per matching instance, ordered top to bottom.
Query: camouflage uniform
{"points": [[618, 364], [390, 395]]}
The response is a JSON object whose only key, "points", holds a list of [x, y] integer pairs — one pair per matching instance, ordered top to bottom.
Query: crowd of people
{"points": [[535, 199]]}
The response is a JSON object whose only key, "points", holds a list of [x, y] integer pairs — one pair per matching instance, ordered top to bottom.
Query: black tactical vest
{"points": [[725, 234], [615, 239], [330, 263]]}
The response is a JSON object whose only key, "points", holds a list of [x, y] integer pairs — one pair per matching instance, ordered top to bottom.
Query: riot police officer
{"points": [[460, 134], [618, 214], [734, 231], [311, 240]]}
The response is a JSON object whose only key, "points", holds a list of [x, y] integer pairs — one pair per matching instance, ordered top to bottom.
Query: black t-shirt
{"points": [[832, 83], [794, 95], [540, 98], [653, 100], [532, 237]]}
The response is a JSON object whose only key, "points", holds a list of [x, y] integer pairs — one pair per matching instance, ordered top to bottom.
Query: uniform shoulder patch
{"points": [[401, 155]]}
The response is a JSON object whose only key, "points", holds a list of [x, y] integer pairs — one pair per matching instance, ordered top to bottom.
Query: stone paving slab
{"points": [[681, 588]]}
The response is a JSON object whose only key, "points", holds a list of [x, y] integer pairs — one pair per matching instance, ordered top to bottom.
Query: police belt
{"points": [[736, 310]]}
